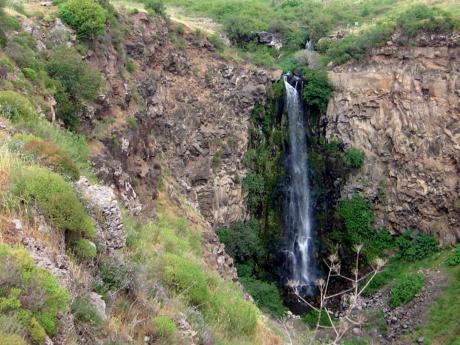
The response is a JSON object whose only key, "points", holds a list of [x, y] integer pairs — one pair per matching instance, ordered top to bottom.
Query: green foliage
{"points": [[157, 6], [87, 17], [421, 17], [216, 42], [22, 51], [130, 66], [29, 73], [76, 76], [78, 82], [318, 90], [15, 106], [48, 154], [217, 158], [354, 158], [254, 184], [55, 198], [358, 218], [241, 240], [416, 247], [84, 249], [454, 257], [113, 276], [186, 278], [405, 289], [30, 294], [265, 294], [228, 309], [84, 311], [311, 318], [165, 326], [37, 333], [12, 339]]}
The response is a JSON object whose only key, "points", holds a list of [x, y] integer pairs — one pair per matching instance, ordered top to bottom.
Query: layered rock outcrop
{"points": [[401, 107], [191, 113]]}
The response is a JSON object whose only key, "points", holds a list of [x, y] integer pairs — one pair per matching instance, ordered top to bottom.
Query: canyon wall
{"points": [[401, 107]]}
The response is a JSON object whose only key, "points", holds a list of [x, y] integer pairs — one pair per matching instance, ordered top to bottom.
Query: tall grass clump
{"points": [[15, 106], [55, 198], [30, 295]]}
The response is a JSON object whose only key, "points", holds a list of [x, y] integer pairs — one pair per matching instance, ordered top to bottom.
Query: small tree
{"points": [[86, 17]]}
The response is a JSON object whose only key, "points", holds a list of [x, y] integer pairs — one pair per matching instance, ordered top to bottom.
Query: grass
{"points": [[170, 249], [442, 326]]}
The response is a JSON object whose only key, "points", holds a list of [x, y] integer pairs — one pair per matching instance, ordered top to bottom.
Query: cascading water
{"points": [[298, 220]]}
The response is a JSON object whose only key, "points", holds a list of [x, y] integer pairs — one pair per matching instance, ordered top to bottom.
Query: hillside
{"points": [[146, 168]]}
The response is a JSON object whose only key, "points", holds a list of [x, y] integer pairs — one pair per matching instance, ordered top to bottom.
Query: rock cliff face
{"points": [[401, 107], [191, 110]]}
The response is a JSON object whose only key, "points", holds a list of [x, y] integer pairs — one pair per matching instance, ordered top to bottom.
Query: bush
{"points": [[157, 6], [87, 17], [421, 17], [238, 29], [23, 55], [30, 73], [76, 76], [78, 82], [318, 90], [15, 106], [52, 156], [354, 158], [254, 185], [55, 198], [358, 218], [241, 240], [416, 247], [84, 249], [454, 257], [114, 276], [186, 278], [405, 289], [266, 295], [37, 297], [228, 309], [84, 311], [311, 319], [165, 326], [37, 333], [12, 339]]}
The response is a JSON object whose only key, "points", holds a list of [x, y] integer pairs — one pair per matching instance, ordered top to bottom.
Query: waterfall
{"points": [[309, 46], [298, 220]]}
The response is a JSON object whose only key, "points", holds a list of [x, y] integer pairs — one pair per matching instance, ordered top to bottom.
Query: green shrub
{"points": [[157, 6], [87, 17], [421, 17], [216, 42], [23, 55], [7, 64], [130, 66], [29, 73], [76, 76], [78, 82], [318, 90], [15, 106], [47, 153], [354, 158], [254, 185], [55, 198], [358, 218], [241, 240], [416, 247], [84, 249], [454, 257], [113, 276], [186, 278], [405, 289], [266, 295], [44, 296], [227, 309], [84, 311], [311, 318], [165, 326], [37, 333], [12, 339]]}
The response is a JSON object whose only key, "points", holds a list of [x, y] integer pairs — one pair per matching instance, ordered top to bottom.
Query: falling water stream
{"points": [[301, 266]]}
